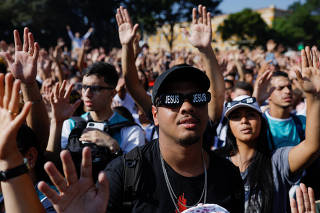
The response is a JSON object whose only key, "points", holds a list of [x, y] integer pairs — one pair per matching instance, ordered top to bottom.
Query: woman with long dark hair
{"points": [[267, 175]]}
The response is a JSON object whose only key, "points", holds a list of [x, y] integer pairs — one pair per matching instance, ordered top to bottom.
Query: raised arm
{"points": [[127, 33], [70, 34], [88, 34], [201, 37], [57, 59], [24, 68], [61, 110], [304, 153], [18, 192]]}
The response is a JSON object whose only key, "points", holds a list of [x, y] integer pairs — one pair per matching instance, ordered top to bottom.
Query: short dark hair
{"points": [[105, 70], [248, 71], [280, 74], [243, 85]]}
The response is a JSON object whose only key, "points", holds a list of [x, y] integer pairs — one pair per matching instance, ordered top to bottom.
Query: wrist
{"points": [[12, 161]]}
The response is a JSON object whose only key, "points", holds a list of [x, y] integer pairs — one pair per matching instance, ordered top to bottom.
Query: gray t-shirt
{"points": [[283, 179]]}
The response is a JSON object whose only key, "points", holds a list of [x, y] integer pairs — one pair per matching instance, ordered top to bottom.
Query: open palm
{"points": [[126, 30], [201, 32], [24, 64], [309, 78], [59, 99]]}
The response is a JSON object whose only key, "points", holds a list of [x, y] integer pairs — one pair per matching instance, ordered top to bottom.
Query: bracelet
{"points": [[14, 172]]}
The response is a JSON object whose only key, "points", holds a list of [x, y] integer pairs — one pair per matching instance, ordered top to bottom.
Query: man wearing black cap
{"points": [[176, 173]]}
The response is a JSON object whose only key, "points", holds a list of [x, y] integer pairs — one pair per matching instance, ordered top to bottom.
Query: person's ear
{"points": [[155, 115], [32, 156]]}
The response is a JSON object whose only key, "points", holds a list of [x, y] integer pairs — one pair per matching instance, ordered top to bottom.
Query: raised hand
{"points": [[126, 30], [201, 32], [24, 64], [309, 78], [262, 87], [59, 100], [10, 118], [76, 195], [305, 200]]}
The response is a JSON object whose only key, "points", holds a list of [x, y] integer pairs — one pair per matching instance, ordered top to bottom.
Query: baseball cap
{"points": [[180, 73], [241, 101]]}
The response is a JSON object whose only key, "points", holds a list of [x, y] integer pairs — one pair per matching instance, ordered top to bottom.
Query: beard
{"points": [[189, 141]]}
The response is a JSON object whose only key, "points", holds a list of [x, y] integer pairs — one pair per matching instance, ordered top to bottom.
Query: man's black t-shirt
{"points": [[225, 186]]}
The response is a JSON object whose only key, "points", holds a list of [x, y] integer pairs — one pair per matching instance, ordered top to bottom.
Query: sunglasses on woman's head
{"points": [[177, 99], [249, 100]]}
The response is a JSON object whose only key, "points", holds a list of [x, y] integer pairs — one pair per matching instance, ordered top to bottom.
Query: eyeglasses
{"points": [[95, 89], [177, 99], [249, 100]]}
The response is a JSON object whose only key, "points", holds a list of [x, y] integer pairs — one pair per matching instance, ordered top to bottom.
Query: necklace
{"points": [[173, 194]]}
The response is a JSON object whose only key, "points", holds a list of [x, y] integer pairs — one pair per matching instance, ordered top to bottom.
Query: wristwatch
{"points": [[14, 172]]}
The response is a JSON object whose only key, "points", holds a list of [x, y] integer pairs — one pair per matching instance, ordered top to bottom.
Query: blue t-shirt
{"points": [[284, 131]]}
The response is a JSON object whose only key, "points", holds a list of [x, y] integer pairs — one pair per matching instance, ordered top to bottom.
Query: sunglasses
{"points": [[95, 89], [177, 99], [249, 100]]}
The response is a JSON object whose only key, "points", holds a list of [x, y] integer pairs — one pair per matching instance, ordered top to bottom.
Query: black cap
{"points": [[180, 72]]}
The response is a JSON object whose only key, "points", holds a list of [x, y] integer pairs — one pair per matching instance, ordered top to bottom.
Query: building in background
{"points": [[158, 40]]}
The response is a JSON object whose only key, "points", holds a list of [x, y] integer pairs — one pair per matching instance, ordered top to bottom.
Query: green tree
{"points": [[302, 24], [247, 26]]}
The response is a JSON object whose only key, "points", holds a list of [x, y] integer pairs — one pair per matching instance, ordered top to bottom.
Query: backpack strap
{"points": [[299, 127], [132, 164]]}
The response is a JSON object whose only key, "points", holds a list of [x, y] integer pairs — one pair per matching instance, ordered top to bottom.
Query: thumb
{"points": [[135, 28], [8, 57], [75, 105], [17, 122], [103, 191]]}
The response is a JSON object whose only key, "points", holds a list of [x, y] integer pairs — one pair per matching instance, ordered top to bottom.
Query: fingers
{"points": [[204, 15], [194, 16], [127, 17], [209, 19], [200, 20], [135, 28], [17, 41], [31, 44], [25, 47], [36, 52], [309, 56], [315, 57], [304, 61], [1, 89], [62, 89], [8, 90], [68, 91], [14, 100], [21, 117], [86, 163], [69, 169], [55, 176], [103, 189], [51, 194], [306, 199], [312, 199], [299, 200], [293, 206]]}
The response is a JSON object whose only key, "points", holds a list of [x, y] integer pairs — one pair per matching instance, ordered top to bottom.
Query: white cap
{"points": [[242, 101]]}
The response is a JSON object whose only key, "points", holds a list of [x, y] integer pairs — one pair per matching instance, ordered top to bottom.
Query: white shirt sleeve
{"points": [[65, 133], [131, 137]]}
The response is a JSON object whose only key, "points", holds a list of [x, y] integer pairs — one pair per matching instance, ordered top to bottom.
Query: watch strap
{"points": [[14, 172]]}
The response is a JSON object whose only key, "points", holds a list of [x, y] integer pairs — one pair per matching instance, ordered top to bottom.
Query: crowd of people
{"points": [[130, 130]]}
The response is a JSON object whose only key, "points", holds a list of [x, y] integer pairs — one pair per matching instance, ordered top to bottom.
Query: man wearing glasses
{"points": [[98, 89]]}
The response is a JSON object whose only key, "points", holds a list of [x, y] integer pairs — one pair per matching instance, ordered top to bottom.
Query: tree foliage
{"points": [[47, 19], [302, 25], [248, 26]]}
